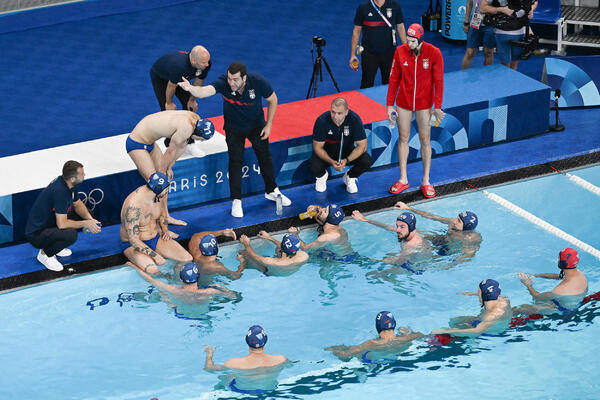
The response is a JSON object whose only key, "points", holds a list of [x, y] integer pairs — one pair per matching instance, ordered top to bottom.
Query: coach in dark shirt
{"points": [[378, 20], [168, 70], [244, 118], [339, 140], [49, 227]]}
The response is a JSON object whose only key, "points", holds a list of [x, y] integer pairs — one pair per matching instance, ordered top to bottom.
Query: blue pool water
{"points": [[104, 336]]}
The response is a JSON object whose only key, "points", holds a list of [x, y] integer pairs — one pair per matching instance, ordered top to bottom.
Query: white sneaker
{"points": [[194, 149], [350, 183], [321, 184], [273, 197], [236, 208], [64, 252], [49, 262]]}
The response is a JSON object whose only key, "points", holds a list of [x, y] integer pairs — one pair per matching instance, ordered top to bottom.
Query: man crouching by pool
{"points": [[141, 218], [494, 318], [382, 349], [255, 373]]}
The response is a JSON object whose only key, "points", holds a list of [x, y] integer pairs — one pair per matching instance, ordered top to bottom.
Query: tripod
{"points": [[318, 73]]}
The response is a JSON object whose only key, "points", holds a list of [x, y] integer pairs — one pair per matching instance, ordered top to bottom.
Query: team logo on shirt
{"points": [[388, 12], [369, 15], [426, 63], [405, 64], [198, 72], [251, 94], [346, 130], [330, 133]]}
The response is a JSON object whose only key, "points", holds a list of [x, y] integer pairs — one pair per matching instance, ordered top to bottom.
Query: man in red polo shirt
{"points": [[416, 84]]}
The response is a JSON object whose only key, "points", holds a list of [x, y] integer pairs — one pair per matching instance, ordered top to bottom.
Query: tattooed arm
{"points": [[131, 221]]}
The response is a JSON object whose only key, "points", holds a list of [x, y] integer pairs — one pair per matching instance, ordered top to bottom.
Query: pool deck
{"points": [[92, 252]]}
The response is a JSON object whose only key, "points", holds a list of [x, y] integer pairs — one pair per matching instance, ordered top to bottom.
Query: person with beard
{"points": [[416, 85], [52, 226], [406, 228], [330, 231]]}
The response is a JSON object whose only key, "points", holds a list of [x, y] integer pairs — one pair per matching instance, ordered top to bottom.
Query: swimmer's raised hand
{"points": [[185, 84], [401, 205], [357, 215], [230, 232], [264, 235], [245, 240], [526, 279], [209, 350]]}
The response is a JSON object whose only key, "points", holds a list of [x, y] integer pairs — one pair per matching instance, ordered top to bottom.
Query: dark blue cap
{"points": [[204, 128], [158, 182], [336, 215], [409, 219], [469, 220], [290, 244], [208, 245], [189, 273], [490, 289], [385, 320], [256, 337]]}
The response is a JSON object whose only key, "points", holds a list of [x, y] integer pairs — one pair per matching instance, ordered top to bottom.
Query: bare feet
{"points": [[173, 221]]}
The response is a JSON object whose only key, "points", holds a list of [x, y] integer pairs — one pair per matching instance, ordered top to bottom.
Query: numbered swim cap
{"points": [[416, 31], [204, 128], [158, 182], [336, 215], [409, 219], [469, 220], [290, 244], [208, 245], [568, 259], [189, 273], [490, 289], [385, 320], [256, 337]]}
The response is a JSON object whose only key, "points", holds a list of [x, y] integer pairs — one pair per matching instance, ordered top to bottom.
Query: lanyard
{"points": [[386, 21]]}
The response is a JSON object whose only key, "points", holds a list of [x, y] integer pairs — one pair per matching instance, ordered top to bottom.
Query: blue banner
{"points": [[578, 79]]}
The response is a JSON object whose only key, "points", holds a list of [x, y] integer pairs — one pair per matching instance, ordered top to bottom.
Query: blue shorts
{"points": [[484, 36], [506, 52], [131, 145], [151, 243], [563, 309], [246, 391]]}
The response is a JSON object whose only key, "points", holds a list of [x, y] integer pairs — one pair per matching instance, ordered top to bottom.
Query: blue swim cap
{"points": [[204, 128], [158, 182], [336, 215], [409, 219], [469, 220], [290, 244], [208, 245], [189, 273], [490, 289], [385, 320], [256, 337]]}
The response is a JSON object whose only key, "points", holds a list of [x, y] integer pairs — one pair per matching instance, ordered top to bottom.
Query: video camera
{"points": [[517, 20], [319, 41]]}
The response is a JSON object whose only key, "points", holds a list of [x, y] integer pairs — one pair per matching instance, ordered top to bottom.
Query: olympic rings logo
{"points": [[92, 199]]}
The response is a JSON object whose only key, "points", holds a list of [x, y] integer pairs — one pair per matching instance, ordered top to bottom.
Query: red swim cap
{"points": [[416, 31], [567, 259]]}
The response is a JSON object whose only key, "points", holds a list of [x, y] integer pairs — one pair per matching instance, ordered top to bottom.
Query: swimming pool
{"points": [[104, 336]]}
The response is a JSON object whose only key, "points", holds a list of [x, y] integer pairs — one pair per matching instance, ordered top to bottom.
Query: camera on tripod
{"points": [[319, 41]]}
